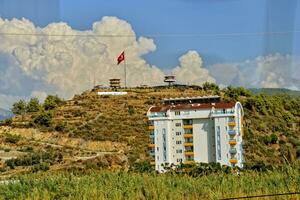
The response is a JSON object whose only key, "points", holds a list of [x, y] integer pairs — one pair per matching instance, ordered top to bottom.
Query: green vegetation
{"points": [[275, 91], [52, 102], [33, 105], [19, 108], [43, 118], [271, 123], [13, 139], [271, 143], [36, 160], [129, 185]]}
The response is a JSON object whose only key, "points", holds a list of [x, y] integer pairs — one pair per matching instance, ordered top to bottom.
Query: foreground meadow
{"points": [[130, 185]]}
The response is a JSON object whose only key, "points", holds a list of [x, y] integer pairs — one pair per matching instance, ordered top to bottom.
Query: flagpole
{"points": [[125, 72]]}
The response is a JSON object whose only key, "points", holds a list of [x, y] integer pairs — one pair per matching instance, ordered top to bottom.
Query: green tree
{"points": [[210, 86], [51, 102], [33, 105], [19, 108]]}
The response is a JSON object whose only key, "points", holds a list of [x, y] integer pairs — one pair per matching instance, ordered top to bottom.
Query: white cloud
{"points": [[67, 63], [191, 70], [271, 71]]}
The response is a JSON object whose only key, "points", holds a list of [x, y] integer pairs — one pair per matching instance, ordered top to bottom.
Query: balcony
{"points": [[222, 112], [153, 115], [232, 123], [188, 126], [231, 132], [188, 135], [232, 142], [188, 144], [151, 145], [232, 150], [189, 153], [233, 161], [189, 162], [152, 163]]}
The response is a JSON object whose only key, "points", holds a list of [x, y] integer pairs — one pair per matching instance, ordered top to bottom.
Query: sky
{"points": [[166, 19], [224, 40]]}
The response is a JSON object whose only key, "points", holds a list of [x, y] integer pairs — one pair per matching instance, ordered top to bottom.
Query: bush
{"points": [[131, 110], [44, 118], [7, 122], [61, 126], [273, 138], [13, 139], [43, 166], [142, 167]]}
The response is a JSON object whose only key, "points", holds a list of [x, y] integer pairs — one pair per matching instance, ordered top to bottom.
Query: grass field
{"points": [[124, 185]]}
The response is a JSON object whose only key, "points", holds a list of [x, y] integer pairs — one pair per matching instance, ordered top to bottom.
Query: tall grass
{"points": [[122, 185]]}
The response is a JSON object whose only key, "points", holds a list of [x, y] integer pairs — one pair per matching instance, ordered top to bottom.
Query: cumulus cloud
{"points": [[58, 59], [191, 71], [271, 71]]}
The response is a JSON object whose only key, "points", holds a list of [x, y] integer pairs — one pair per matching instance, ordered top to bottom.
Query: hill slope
{"points": [[275, 91], [91, 124]]}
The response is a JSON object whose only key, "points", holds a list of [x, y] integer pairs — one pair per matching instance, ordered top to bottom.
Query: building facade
{"points": [[186, 131]]}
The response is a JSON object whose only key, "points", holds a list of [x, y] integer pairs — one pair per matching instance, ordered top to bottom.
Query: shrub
{"points": [[131, 110], [44, 118], [7, 122], [61, 126], [273, 138], [13, 139], [43, 166]]}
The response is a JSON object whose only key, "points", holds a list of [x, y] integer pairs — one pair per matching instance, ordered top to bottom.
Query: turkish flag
{"points": [[121, 57]]}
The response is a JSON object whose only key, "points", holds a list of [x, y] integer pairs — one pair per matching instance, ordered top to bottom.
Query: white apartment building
{"points": [[198, 129]]}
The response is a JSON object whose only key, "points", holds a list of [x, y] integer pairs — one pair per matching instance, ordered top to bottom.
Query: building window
{"points": [[177, 112], [178, 124], [178, 133], [178, 142], [179, 151], [179, 160]]}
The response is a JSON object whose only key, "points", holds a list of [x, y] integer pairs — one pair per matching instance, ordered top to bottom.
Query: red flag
{"points": [[121, 57]]}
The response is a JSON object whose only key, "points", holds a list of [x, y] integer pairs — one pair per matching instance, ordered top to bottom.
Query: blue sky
{"points": [[156, 18]]}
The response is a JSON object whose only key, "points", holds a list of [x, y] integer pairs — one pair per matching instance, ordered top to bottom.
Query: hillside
{"points": [[275, 91], [92, 131]]}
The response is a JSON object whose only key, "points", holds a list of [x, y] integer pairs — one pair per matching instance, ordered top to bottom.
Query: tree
{"points": [[210, 86], [51, 102], [33, 105], [19, 108]]}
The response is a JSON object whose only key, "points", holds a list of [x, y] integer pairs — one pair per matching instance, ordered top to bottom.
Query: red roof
{"points": [[221, 105]]}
